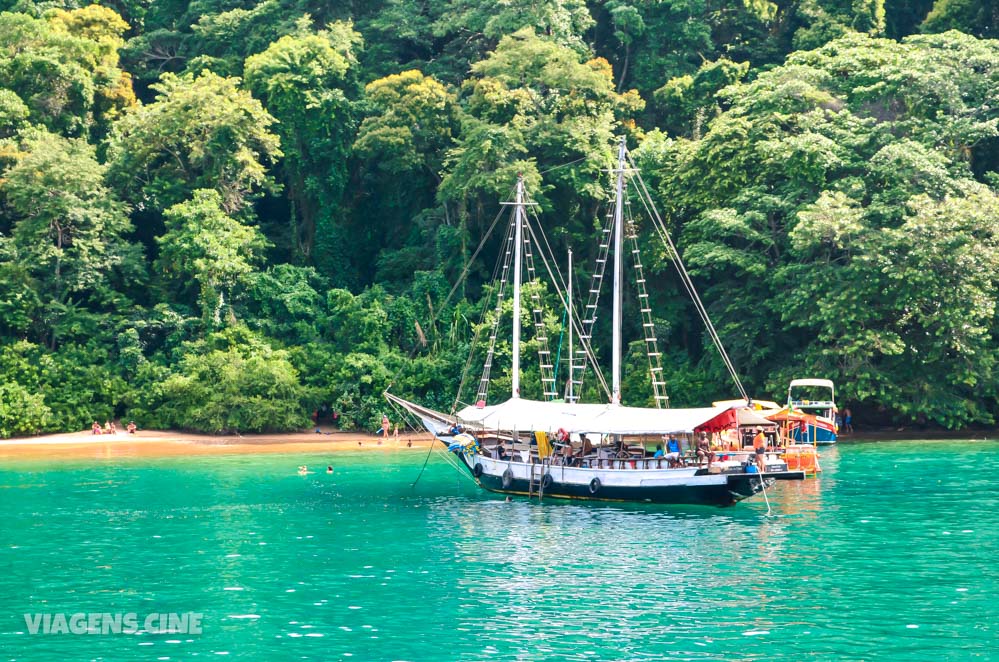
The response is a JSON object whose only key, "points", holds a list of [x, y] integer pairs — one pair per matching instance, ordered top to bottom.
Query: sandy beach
{"points": [[168, 443]]}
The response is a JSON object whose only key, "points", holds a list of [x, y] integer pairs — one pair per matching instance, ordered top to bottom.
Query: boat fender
{"points": [[477, 469], [507, 478], [546, 481], [594, 486]]}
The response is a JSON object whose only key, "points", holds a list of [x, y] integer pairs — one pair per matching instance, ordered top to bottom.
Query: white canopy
{"points": [[811, 382], [525, 415], [750, 417]]}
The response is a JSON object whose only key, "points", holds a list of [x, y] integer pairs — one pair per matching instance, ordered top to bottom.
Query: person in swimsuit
{"points": [[760, 449], [704, 450]]}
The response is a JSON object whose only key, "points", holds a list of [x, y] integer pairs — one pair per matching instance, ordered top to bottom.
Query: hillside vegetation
{"points": [[223, 215]]}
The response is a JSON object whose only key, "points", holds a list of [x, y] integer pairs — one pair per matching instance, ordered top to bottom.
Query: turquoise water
{"points": [[891, 554]]}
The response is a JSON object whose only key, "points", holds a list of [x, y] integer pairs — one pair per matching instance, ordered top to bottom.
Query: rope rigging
{"points": [[688, 284], [583, 325]]}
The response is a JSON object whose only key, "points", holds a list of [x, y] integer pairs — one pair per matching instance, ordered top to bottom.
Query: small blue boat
{"points": [[809, 397]]}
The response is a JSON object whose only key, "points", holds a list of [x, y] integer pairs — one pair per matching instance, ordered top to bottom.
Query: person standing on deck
{"points": [[760, 448]]}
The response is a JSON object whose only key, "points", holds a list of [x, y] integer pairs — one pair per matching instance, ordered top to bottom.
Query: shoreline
{"points": [[172, 443]]}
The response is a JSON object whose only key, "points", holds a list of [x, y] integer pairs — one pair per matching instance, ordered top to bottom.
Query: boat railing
{"points": [[811, 403]]}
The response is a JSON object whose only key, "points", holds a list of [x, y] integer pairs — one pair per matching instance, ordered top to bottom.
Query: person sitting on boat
{"points": [[586, 447], [673, 451], [499, 452], [659, 452], [704, 452], [567, 453]]}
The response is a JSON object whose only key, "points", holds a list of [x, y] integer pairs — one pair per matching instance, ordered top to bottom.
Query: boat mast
{"points": [[518, 215], [618, 274], [568, 306]]}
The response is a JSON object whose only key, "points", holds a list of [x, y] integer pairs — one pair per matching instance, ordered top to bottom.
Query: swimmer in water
{"points": [[329, 469], [303, 470]]}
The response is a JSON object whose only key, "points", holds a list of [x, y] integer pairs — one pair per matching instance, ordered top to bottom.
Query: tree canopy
{"points": [[226, 216]]}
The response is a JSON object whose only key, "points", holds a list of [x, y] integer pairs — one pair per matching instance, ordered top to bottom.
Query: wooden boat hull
{"points": [[823, 435], [686, 487]]}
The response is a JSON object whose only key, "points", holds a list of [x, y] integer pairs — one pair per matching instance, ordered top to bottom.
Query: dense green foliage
{"points": [[224, 216]]}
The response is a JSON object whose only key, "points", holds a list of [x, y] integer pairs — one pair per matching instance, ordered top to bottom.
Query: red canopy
{"points": [[723, 421]]}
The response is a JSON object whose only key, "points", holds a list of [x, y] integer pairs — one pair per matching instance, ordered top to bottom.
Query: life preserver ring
{"points": [[477, 469], [507, 478], [546, 481], [594, 486]]}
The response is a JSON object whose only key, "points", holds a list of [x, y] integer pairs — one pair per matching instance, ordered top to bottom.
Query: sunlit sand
{"points": [[165, 443]]}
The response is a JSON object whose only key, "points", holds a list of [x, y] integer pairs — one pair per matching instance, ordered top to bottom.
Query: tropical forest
{"points": [[227, 215]]}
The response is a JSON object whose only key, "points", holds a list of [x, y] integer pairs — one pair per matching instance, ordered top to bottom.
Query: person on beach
{"points": [[847, 420], [385, 426], [107, 427], [95, 428], [114, 428], [130, 428], [395, 433]]}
